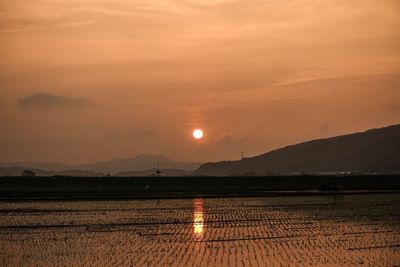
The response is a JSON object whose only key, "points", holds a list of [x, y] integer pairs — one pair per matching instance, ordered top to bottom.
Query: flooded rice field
{"points": [[338, 230]]}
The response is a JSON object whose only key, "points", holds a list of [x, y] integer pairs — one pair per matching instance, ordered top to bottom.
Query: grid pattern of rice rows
{"points": [[269, 231]]}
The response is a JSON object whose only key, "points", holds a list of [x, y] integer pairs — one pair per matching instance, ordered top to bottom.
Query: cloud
{"points": [[211, 2], [48, 102], [229, 141]]}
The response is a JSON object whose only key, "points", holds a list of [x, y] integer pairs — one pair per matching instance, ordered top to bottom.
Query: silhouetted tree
{"points": [[28, 173]]}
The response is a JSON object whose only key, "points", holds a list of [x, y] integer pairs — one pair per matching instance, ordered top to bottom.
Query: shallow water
{"points": [[270, 231]]}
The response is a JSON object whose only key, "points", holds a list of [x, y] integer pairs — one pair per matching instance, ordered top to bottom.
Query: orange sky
{"points": [[88, 80]]}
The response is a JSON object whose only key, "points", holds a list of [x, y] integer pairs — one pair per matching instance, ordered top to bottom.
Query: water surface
{"points": [[269, 231]]}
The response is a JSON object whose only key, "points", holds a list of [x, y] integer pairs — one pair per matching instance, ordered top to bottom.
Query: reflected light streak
{"points": [[198, 220]]}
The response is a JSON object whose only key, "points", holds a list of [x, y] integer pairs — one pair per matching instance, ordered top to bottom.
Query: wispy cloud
{"points": [[76, 23], [48, 102], [228, 141]]}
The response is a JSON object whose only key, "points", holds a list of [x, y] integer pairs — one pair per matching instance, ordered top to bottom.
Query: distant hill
{"points": [[373, 151], [139, 163], [41, 166], [16, 171], [152, 172]]}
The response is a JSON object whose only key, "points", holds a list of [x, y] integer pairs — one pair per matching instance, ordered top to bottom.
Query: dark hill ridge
{"points": [[373, 151], [141, 162], [17, 171], [153, 172]]}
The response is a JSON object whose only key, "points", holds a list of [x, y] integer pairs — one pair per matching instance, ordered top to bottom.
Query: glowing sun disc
{"points": [[198, 134]]}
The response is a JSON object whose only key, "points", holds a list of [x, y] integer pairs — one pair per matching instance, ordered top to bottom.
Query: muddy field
{"points": [[334, 230]]}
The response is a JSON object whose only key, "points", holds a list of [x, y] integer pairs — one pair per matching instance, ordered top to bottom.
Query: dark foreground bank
{"points": [[160, 187]]}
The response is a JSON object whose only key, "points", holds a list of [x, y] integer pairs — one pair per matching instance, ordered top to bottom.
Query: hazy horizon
{"points": [[82, 82], [167, 156]]}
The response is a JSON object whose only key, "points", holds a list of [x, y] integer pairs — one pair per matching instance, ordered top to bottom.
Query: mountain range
{"points": [[373, 151], [142, 162], [17, 171]]}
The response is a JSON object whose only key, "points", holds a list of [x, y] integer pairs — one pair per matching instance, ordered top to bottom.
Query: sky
{"points": [[89, 80]]}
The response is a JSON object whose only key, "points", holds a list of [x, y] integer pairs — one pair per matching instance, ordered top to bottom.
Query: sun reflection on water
{"points": [[198, 219]]}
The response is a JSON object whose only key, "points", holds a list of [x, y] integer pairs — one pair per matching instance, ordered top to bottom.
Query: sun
{"points": [[198, 134]]}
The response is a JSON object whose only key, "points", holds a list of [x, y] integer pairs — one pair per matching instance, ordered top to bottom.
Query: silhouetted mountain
{"points": [[373, 151], [138, 163], [41, 166], [17, 170], [152, 172]]}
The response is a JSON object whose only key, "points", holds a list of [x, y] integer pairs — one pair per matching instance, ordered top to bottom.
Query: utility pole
{"points": [[242, 156]]}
